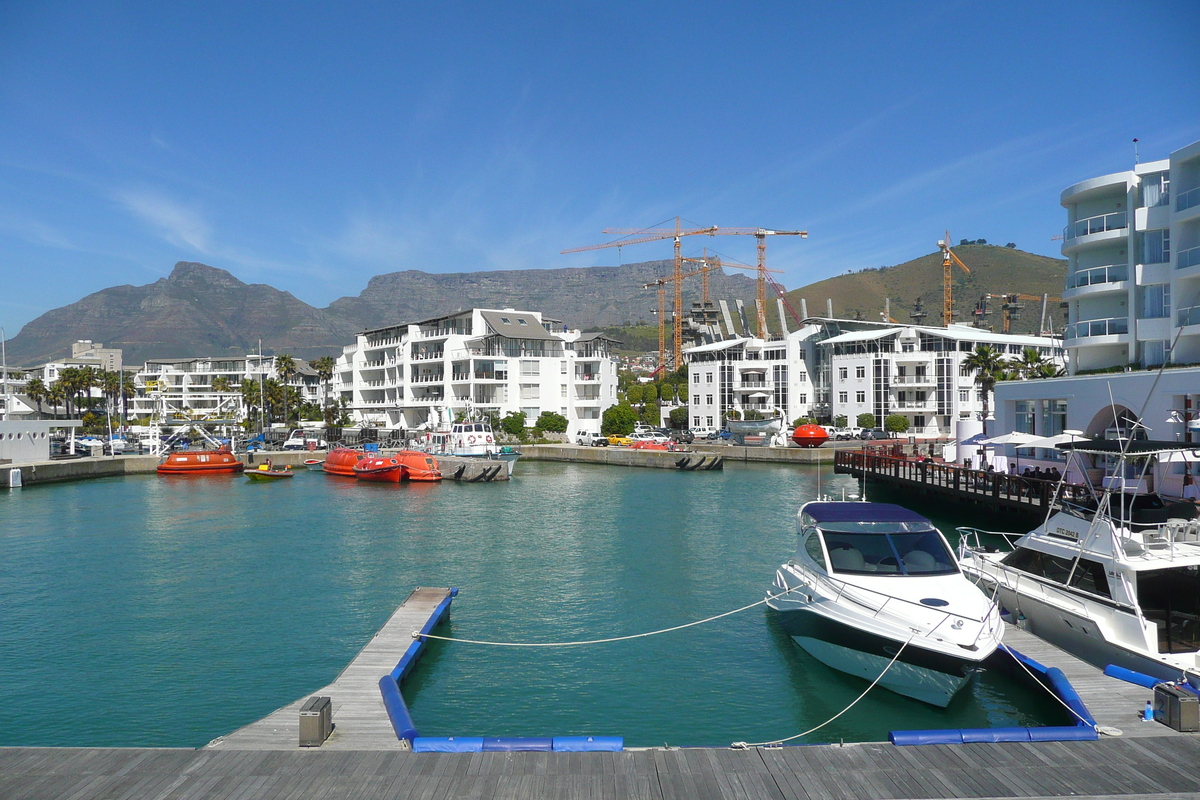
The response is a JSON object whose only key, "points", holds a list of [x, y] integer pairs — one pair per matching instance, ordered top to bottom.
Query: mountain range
{"points": [[200, 310]]}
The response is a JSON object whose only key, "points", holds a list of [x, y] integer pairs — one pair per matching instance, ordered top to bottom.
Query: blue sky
{"points": [[312, 145]]}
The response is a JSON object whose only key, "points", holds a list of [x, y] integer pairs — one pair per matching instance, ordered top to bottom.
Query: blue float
{"points": [[397, 711], [447, 744], [514, 744], [588, 744]]}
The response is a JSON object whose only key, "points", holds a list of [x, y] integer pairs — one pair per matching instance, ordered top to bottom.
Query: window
{"points": [[1156, 190], [1156, 246], [1155, 301], [521, 321], [908, 347], [1156, 352], [530, 368], [562, 368], [860, 371], [965, 371], [843, 373], [802, 376], [695, 377], [708, 377], [564, 390], [530, 391], [964, 395], [843, 397], [860, 397], [708, 399], [802, 399], [531, 414], [708, 421], [695, 422], [812, 546], [1087, 575]]}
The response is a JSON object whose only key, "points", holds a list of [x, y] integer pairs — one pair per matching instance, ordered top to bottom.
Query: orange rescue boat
{"points": [[341, 461], [198, 462], [419, 466], [382, 469]]}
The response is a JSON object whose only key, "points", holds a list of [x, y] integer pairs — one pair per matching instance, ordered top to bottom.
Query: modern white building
{"points": [[1132, 244], [832, 367], [424, 374], [186, 385]]}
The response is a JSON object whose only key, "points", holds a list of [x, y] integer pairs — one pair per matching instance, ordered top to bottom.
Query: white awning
{"points": [[860, 336], [715, 346]]}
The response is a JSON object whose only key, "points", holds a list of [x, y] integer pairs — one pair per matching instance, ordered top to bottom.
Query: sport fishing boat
{"points": [[340, 461], [200, 462], [266, 472], [1112, 576], [873, 582]]}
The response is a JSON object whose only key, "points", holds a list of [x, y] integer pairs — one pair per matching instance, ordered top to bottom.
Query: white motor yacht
{"points": [[1114, 577], [873, 580]]}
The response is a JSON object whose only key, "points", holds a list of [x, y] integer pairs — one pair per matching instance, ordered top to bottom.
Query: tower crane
{"points": [[948, 257], [1011, 307]]}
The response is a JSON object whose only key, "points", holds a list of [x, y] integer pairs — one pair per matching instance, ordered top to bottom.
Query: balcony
{"points": [[1188, 199], [1093, 225], [1187, 258], [1093, 276], [1188, 316], [1113, 326], [378, 343], [431, 355], [372, 365], [482, 375], [587, 376], [461, 377], [427, 379], [914, 380], [372, 383], [754, 385], [914, 405]]}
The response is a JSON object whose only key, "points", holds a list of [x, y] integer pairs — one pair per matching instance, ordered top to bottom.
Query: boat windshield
{"points": [[890, 552]]}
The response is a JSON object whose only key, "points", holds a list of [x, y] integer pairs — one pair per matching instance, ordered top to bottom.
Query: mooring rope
{"points": [[419, 635], [745, 745]]}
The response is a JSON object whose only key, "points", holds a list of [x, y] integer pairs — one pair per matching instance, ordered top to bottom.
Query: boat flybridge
{"points": [[1113, 577], [875, 589]]}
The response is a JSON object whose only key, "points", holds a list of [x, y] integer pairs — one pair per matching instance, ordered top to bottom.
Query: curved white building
{"points": [[1132, 243]]}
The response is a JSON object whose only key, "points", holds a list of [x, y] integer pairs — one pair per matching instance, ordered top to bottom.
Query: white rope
{"points": [[419, 635], [1052, 693], [745, 745]]}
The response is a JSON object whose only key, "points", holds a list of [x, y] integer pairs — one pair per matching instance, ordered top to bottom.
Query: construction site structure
{"points": [[641, 235], [1011, 307]]}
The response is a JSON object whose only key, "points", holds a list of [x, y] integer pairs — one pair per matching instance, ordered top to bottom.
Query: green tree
{"points": [[987, 362], [1031, 363], [285, 367], [324, 368], [220, 384], [35, 390], [681, 391], [649, 393], [634, 394], [250, 397], [651, 414], [679, 417], [618, 420], [866, 420], [839, 421], [552, 422], [514, 423], [895, 423]]}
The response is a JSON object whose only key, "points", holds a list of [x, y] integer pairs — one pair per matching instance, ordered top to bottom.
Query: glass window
{"points": [[1156, 246], [860, 372], [843, 373], [843, 397], [860, 397], [802, 398], [1025, 416], [812, 546], [913, 553], [1088, 575]]}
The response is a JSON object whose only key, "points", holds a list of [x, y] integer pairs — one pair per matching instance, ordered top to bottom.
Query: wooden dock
{"points": [[360, 721]]}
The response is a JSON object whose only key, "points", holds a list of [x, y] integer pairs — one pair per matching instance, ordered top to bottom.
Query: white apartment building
{"points": [[1132, 244], [831, 368], [424, 374], [186, 385]]}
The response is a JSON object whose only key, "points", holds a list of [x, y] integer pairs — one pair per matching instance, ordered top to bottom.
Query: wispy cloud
{"points": [[178, 224], [34, 231]]}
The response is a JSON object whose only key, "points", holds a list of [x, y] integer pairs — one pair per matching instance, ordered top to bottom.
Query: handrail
{"points": [[1187, 199], [1097, 224], [1187, 258], [1109, 273], [1110, 326]]}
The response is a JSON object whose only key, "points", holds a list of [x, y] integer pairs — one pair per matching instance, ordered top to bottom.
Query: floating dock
{"points": [[360, 719]]}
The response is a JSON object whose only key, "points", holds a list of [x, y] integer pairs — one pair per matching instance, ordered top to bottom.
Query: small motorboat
{"points": [[341, 461], [200, 462], [314, 464], [380, 469], [267, 472], [874, 589]]}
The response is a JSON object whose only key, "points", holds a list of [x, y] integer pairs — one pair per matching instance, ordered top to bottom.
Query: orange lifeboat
{"points": [[810, 436], [341, 461], [197, 462], [419, 466], [382, 469]]}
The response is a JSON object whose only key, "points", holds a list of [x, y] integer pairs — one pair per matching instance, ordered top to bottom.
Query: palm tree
{"points": [[988, 363], [1031, 363], [285, 367], [324, 367], [87, 379], [220, 384], [36, 391], [128, 391], [250, 396], [55, 397], [276, 400]]}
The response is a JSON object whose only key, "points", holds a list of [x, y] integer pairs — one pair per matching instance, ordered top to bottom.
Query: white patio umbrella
{"points": [[1016, 437], [1054, 441]]}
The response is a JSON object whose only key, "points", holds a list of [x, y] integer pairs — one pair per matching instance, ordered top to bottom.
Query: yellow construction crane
{"points": [[656, 234], [948, 257]]}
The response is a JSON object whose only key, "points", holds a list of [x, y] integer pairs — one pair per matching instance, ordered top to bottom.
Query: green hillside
{"points": [[994, 270]]}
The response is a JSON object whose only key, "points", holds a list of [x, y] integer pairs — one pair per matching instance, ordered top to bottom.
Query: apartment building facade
{"points": [[1132, 244], [424, 374], [186, 385]]}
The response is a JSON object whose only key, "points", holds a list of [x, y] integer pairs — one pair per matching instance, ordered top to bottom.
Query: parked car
{"points": [[874, 433], [721, 434], [650, 436], [686, 436], [588, 439], [619, 440]]}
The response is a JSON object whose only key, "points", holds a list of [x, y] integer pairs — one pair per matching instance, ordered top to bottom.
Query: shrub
{"points": [[1011, 245], [634, 394], [732, 414], [679, 418], [618, 420], [866, 420], [550, 421], [798, 421], [839, 421], [514, 423], [896, 423]]}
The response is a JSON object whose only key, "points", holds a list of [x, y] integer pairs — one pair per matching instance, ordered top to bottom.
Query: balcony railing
{"points": [[1188, 199], [1098, 224], [1187, 258], [1110, 273], [1189, 316], [1098, 327], [375, 344], [435, 355], [373, 365], [481, 375], [587, 376], [427, 379], [917, 380], [753, 385], [914, 405]]}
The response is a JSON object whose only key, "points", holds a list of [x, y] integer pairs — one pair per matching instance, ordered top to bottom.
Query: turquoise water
{"points": [[169, 611]]}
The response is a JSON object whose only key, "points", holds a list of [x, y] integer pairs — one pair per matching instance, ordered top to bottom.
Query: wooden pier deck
{"points": [[360, 721]]}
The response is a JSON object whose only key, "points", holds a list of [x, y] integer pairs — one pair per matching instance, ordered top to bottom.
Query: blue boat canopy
{"points": [[860, 512]]}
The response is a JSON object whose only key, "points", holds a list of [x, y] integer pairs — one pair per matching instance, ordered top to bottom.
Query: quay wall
{"points": [[623, 456], [78, 469]]}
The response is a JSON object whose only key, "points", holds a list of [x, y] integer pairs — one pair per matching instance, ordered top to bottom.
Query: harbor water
{"points": [[153, 611]]}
